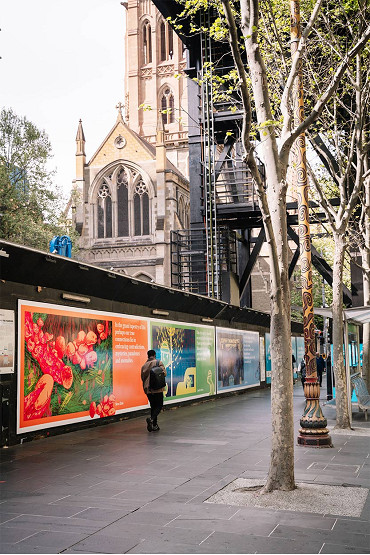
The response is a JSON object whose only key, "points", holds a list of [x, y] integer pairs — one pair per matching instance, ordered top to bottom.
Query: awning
{"points": [[357, 315]]}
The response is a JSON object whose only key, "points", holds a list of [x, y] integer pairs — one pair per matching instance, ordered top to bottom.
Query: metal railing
{"points": [[189, 259]]}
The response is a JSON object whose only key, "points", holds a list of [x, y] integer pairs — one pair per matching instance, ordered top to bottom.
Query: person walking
{"points": [[320, 366], [302, 370], [155, 396]]}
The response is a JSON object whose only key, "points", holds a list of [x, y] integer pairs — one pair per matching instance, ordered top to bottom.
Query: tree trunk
{"points": [[341, 393], [281, 472]]}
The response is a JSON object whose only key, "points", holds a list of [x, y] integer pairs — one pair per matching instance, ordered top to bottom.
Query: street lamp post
{"points": [[313, 431]]}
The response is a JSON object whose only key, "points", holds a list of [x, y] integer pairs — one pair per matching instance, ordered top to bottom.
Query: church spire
{"points": [[119, 108], [80, 140], [160, 149]]}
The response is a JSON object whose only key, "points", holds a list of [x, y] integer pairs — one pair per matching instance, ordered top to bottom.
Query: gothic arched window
{"points": [[166, 42], [147, 43], [168, 106], [122, 204], [141, 209], [104, 212]]}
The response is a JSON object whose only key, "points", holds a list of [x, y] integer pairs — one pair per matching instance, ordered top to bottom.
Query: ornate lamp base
{"points": [[313, 431], [314, 440]]}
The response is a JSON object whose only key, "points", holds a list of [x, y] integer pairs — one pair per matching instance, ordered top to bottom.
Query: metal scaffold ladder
{"points": [[209, 154]]}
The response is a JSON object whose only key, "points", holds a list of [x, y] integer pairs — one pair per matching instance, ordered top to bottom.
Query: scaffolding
{"points": [[190, 257]]}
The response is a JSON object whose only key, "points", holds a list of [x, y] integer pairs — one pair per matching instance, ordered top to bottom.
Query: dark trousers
{"points": [[156, 404]]}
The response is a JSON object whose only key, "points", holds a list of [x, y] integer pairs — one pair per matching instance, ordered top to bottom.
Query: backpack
{"points": [[302, 368], [157, 379]]}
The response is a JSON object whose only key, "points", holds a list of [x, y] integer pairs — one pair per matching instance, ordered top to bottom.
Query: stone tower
{"points": [[155, 80], [134, 190]]}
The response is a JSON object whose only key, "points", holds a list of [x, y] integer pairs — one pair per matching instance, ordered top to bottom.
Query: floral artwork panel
{"points": [[67, 365]]}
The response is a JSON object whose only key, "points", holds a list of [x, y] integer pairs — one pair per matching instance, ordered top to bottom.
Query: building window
{"points": [[166, 42], [147, 43], [168, 106], [122, 205], [141, 209], [104, 212]]}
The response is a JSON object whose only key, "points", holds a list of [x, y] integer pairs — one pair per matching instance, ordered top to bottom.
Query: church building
{"points": [[134, 190]]}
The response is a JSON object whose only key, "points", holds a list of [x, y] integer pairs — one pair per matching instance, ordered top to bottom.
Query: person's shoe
{"points": [[149, 424], [155, 428]]}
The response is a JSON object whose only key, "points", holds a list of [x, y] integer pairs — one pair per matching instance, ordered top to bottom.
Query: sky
{"points": [[63, 61]]}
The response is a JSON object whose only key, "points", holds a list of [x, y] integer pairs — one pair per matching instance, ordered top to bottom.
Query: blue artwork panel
{"points": [[175, 346], [299, 349], [268, 357], [237, 359]]}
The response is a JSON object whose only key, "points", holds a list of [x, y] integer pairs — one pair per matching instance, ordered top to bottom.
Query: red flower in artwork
{"points": [[102, 331], [81, 351], [47, 353], [105, 408], [92, 409]]}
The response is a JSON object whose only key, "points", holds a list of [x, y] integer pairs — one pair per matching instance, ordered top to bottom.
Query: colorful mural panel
{"points": [[297, 352], [188, 355], [268, 357], [237, 359], [75, 365]]}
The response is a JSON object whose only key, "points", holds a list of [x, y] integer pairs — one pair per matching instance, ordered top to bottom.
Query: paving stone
{"points": [[98, 502], [36, 509], [104, 516], [4, 517], [153, 518], [304, 520], [53, 523], [357, 526], [245, 527], [148, 531], [14, 535], [324, 536], [54, 541], [103, 543], [239, 543], [153, 546], [19, 548], [339, 548]]}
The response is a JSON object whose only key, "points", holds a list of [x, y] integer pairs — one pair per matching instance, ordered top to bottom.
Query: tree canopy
{"points": [[31, 207]]}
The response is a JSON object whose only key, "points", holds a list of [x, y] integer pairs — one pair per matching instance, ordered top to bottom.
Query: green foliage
{"points": [[339, 25], [30, 206], [325, 246]]}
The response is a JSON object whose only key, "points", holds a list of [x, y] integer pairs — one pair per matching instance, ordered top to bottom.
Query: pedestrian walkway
{"points": [[119, 489]]}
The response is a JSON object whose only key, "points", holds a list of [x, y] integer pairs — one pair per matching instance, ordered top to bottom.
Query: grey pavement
{"points": [[119, 489]]}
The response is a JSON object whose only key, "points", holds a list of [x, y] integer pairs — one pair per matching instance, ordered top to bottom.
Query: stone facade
{"points": [[155, 80], [134, 190], [128, 198]]}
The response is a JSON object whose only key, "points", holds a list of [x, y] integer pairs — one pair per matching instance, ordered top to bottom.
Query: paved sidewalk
{"points": [[119, 489]]}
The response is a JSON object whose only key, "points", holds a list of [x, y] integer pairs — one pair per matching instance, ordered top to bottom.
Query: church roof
{"points": [[146, 148], [152, 149]]}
